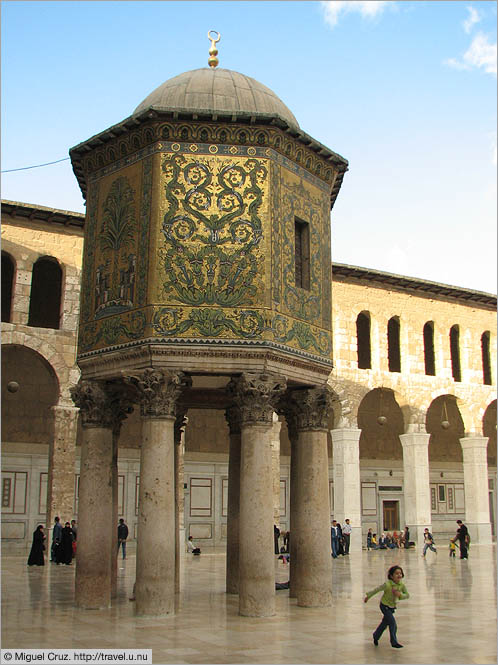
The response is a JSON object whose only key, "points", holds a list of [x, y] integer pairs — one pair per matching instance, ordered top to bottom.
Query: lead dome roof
{"points": [[217, 90]]}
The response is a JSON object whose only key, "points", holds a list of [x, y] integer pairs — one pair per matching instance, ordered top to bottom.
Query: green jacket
{"points": [[388, 598]]}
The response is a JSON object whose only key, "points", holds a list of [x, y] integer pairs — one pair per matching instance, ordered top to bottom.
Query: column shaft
{"points": [[61, 459], [275, 461], [114, 471], [346, 475], [475, 477], [416, 485], [179, 504], [294, 515], [95, 526], [256, 557], [232, 564], [315, 576], [155, 586]]}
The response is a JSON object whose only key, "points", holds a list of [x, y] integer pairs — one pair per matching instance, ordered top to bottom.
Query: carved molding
{"points": [[94, 360], [158, 391], [256, 395]]}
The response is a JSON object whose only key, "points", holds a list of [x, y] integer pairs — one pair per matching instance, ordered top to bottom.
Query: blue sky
{"points": [[406, 91]]}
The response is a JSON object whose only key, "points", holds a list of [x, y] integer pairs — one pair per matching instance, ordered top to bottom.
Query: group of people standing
{"points": [[340, 538], [64, 539], [63, 546]]}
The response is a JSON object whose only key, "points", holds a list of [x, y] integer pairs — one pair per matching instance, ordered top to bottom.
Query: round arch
{"points": [[66, 376], [30, 388], [381, 422], [446, 427]]}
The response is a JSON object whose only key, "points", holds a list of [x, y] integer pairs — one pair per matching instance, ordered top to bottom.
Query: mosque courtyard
{"points": [[449, 618]]}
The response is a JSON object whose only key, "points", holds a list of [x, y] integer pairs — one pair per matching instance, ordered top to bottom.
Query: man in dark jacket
{"points": [[335, 534], [462, 535], [122, 536], [56, 539]]}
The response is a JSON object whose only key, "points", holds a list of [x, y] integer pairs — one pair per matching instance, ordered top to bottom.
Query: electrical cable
{"points": [[37, 166]]}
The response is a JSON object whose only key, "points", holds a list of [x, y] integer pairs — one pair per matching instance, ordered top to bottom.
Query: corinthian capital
{"points": [[158, 391], [256, 396], [94, 402], [310, 407]]}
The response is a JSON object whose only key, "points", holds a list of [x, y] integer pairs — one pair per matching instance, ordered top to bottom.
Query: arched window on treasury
{"points": [[302, 253], [8, 271], [46, 290], [363, 341], [393, 344], [455, 353], [429, 357], [486, 359]]}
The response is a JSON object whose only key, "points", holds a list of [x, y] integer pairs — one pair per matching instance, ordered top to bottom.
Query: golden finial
{"points": [[213, 51]]}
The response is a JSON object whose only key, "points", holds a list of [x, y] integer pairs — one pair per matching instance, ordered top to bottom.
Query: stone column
{"points": [[255, 395], [121, 407], [311, 408], [233, 418], [180, 424], [61, 459], [275, 462], [114, 471], [346, 475], [475, 478], [416, 485], [293, 504], [95, 527], [155, 576]]}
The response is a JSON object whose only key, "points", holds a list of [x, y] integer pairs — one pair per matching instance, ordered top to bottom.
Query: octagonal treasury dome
{"points": [[217, 91]]}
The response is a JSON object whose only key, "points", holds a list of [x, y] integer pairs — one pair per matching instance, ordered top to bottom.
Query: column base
{"points": [[480, 534], [314, 598], [89, 605], [257, 614]]}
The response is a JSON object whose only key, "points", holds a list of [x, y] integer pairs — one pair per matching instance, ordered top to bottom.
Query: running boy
{"points": [[394, 590]]}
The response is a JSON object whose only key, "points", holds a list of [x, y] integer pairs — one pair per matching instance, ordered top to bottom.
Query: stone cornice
{"points": [[150, 117], [30, 212], [421, 287], [113, 361]]}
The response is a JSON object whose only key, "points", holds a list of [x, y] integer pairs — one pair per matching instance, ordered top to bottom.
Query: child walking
{"points": [[452, 548], [394, 590]]}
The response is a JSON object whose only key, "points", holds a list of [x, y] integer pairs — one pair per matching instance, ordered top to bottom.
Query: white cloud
{"points": [[367, 8], [471, 20], [481, 54]]}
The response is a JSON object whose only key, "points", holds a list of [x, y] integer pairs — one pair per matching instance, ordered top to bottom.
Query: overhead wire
{"points": [[37, 166]]}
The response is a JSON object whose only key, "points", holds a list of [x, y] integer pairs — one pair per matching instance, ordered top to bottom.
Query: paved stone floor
{"points": [[450, 617]]}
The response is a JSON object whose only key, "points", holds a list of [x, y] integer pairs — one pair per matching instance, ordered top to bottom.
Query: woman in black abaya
{"points": [[65, 549], [36, 557]]}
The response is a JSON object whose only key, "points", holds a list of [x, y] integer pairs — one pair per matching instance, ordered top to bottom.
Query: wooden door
{"points": [[391, 515]]}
